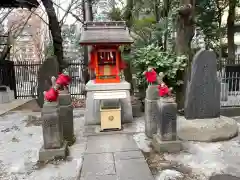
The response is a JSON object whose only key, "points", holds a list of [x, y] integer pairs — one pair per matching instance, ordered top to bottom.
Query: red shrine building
{"points": [[105, 38]]}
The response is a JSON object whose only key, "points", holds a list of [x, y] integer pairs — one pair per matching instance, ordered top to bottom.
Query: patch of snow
{"points": [[142, 141], [19, 147], [206, 159], [169, 174]]}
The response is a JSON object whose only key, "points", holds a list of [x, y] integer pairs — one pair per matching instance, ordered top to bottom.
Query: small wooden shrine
{"points": [[105, 38], [105, 94]]}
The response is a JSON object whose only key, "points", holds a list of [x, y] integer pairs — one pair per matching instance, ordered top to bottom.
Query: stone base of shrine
{"points": [[92, 114], [207, 130], [51, 154]]}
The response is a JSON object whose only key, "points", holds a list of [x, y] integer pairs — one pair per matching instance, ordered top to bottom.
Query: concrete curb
{"points": [[14, 105]]}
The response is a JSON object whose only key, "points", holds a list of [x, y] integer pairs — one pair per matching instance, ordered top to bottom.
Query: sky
{"points": [[65, 3]]}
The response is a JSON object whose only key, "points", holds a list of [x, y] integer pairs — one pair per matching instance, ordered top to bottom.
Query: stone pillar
{"points": [[151, 110], [66, 116], [167, 123], [166, 139], [53, 143]]}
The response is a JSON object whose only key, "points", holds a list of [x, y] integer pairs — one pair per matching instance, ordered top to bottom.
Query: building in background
{"points": [[31, 32]]}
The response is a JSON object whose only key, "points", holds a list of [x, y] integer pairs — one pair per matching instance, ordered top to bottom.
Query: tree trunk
{"points": [[166, 8], [87, 16], [157, 17], [128, 18], [230, 31], [55, 32], [185, 33], [6, 50], [86, 75]]}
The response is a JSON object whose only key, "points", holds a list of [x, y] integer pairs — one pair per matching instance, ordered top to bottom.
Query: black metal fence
{"points": [[223, 62], [7, 75], [27, 81]]}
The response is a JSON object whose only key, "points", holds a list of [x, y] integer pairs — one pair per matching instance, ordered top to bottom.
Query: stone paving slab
{"points": [[111, 143], [128, 155], [98, 165], [133, 169], [105, 177]]}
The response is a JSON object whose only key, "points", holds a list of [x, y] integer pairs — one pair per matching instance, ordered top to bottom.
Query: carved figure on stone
{"points": [[49, 68], [151, 75], [63, 80], [163, 89], [52, 94]]}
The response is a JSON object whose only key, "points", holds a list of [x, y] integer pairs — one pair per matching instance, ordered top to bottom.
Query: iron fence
{"points": [[223, 62], [26, 78], [27, 81], [230, 88]]}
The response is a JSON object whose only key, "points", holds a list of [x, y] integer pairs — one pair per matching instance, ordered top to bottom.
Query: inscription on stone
{"points": [[203, 92], [151, 117], [168, 121], [52, 127]]}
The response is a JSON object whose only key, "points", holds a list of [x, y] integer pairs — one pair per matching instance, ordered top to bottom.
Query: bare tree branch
{"points": [[67, 11], [74, 15], [5, 16], [41, 18]]}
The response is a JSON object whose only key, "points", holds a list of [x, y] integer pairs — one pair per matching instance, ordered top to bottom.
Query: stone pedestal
{"points": [[6, 94], [93, 106], [151, 110], [66, 116], [151, 117], [167, 123], [166, 139], [53, 143], [165, 146], [51, 154]]}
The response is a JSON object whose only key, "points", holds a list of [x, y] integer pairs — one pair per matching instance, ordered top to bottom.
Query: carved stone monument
{"points": [[48, 69], [203, 92], [151, 110], [66, 116], [202, 121], [166, 138], [54, 145]]}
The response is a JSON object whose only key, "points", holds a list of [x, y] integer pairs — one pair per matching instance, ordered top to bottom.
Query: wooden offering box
{"points": [[105, 39], [110, 112]]}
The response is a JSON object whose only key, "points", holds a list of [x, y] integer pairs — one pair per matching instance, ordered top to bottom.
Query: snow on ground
{"points": [[142, 141], [19, 146], [204, 159]]}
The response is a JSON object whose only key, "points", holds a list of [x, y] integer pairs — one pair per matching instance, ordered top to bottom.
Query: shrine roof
{"points": [[19, 4], [114, 32]]}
